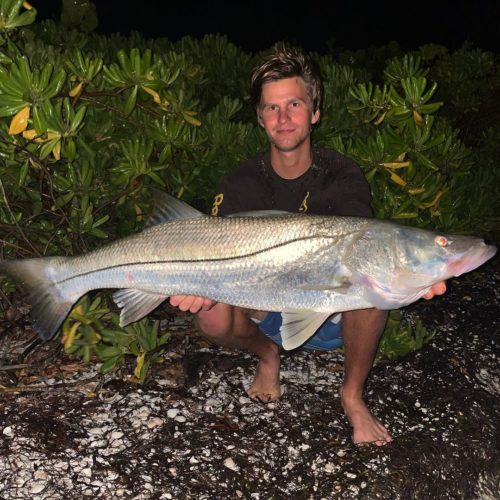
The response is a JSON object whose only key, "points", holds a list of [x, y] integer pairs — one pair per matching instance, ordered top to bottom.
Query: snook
{"points": [[307, 266]]}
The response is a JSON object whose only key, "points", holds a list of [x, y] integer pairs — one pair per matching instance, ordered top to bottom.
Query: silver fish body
{"points": [[307, 266]]}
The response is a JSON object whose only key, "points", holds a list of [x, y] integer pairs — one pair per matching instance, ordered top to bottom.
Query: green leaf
{"points": [[131, 100]]}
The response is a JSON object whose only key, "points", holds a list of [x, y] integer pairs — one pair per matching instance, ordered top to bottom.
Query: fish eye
{"points": [[441, 241]]}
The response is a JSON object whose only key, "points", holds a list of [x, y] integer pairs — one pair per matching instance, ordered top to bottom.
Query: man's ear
{"points": [[315, 117], [259, 120]]}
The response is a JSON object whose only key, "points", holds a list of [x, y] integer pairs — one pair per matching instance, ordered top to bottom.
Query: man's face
{"points": [[286, 113]]}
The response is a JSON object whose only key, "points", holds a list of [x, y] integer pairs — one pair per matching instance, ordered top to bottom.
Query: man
{"points": [[286, 93]]}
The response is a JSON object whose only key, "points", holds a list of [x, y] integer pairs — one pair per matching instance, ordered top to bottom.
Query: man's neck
{"points": [[291, 164]]}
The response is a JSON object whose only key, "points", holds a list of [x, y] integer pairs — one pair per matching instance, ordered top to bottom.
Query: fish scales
{"points": [[224, 258]]}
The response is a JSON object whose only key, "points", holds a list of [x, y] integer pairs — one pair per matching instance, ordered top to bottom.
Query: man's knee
{"points": [[222, 321], [217, 322]]}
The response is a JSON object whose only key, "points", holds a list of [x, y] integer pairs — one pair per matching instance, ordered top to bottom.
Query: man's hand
{"points": [[437, 289], [191, 303]]}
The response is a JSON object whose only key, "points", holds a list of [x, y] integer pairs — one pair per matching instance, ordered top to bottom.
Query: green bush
{"points": [[90, 124]]}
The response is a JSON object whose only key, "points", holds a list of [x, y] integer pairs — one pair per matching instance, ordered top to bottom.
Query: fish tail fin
{"points": [[38, 277]]}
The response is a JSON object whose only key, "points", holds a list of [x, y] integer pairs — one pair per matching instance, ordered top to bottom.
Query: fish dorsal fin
{"points": [[169, 208], [259, 213], [135, 304], [298, 326]]}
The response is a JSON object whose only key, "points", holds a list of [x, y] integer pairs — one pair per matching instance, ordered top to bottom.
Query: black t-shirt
{"points": [[333, 185]]}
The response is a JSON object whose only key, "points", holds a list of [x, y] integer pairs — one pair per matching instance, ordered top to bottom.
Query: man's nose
{"points": [[283, 115]]}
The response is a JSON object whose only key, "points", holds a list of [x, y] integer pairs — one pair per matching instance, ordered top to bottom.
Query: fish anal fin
{"points": [[135, 304], [298, 326]]}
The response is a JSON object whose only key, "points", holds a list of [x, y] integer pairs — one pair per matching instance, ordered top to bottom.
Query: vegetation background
{"points": [[90, 123]]}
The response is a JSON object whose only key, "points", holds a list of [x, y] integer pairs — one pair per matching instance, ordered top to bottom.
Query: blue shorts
{"points": [[327, 338]]}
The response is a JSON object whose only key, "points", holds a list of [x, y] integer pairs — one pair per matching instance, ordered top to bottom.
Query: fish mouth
{"points": [[471, 259]]}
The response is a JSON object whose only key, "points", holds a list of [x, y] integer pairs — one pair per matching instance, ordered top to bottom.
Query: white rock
{"points": [[143, 412], [173, 412], [180, 418], [154, 422], [136, 423], [8, 431], [96, 431], [115, 435], [100, 443], [230, 464], [329, 467], [87, 472], [41, 475], [37, 487]]}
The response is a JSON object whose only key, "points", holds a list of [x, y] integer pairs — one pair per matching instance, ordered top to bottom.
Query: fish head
{"points": [[423, 258], [398, 264]]}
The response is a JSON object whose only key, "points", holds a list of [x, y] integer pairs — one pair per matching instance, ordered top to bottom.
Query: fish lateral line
{"points": [[189, 260]]}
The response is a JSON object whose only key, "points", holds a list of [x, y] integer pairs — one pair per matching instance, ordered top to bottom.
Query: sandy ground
{"points": [[67, 431]]}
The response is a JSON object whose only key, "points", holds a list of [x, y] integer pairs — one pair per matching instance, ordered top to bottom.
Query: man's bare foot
{"points": [[266, 383], [367, 429]]}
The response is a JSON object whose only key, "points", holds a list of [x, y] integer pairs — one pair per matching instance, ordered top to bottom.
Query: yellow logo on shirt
{"points": [[217, 201], [303, 206]]}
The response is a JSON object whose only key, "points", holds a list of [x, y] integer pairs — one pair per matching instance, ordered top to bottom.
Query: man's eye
{"points": [[270, 109]]}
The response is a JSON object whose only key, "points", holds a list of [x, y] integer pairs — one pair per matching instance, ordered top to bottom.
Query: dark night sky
{"points": [[256, 25]]}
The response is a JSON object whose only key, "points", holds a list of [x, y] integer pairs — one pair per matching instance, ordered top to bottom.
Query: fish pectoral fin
{"points": [[338, 279], [405, 279], [390, 297], [393, 299], [135, 304], [298, 326]]}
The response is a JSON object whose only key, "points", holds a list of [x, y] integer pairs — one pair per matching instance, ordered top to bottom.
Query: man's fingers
{"points": [[437, 289], [175, 300], [191, 303], [208, 304]]}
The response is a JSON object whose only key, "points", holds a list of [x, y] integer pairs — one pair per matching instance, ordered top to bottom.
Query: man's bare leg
{"points": [[232, 327], [361, 331]]}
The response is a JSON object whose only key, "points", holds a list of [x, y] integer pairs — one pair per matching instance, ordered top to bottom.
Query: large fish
{"points": [[307, 266]]}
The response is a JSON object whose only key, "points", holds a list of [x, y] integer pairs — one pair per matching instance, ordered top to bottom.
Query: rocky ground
{"points": [[190, 432]]}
